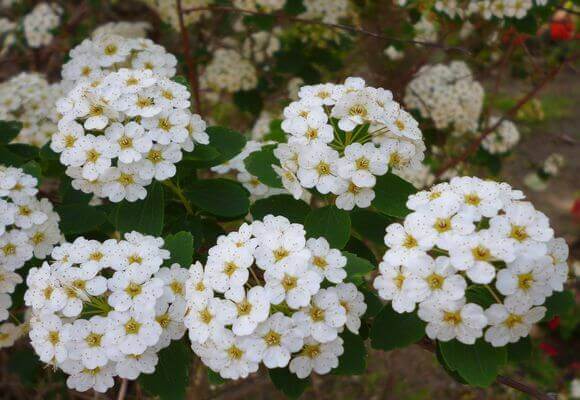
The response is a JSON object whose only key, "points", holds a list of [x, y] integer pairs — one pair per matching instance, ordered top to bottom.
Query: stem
{"points": [[190, 60], [179, 193], [255, 276], [495, 296], [123, 389]]}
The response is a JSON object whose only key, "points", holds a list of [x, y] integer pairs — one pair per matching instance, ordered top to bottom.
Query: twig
{"points": [[343, 27], [190, 60], [511, 112], [123, 389], [533, 392]]}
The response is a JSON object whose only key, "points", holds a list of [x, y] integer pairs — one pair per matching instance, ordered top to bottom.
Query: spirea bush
{"points": [[146, 235]]}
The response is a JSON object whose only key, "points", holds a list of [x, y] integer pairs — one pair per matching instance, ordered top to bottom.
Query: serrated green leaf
{"points": [[259, 164], [221, 197], [391, 197], [283, 205], [144, 216], [331, 223], [180, 245], [392, 330], [477, 363], [288, 383]]}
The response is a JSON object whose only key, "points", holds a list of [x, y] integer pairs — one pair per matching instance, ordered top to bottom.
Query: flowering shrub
{"points": [[223, 169]]}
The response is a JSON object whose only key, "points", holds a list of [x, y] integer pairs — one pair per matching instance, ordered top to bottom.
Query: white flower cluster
{"points": [[259, 5], [487, 9], [167, 11], [328, 11], [38, 25], [126, 29], [425, 30], [259, 46], [95, 58], [230, 72], [448, 95], [29, 98], [119, 132], [341, 137], [502, 139], [553, 163], [236, 165], [28, 228], [472, 232], [259, 299], [105, 309]]}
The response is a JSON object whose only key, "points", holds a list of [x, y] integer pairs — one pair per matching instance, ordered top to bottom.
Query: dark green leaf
{"points": [[182, 80], [249, 100], [9, 130], [276, 133], [223, 141], [25, 151], [47, 154], [9, 158], [259, 164], [33, 168], [392, 193], [221, 197], [281, 204], [144, 216], [79, 218], [331, 223], [370, 225], [180, 245], [359, 248], [356, 267], [479, 295], [559, 303], [374, 304], [392, 330], [520, 350], [354, 359], [477, 363], [26, 365], [446, 367], [171, 376], [214, 378], [288, 383]]}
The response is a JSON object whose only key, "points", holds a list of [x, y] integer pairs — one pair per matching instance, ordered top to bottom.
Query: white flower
{"points": [[168, 127], [131, 141], [94, 154], [361, 163], [318, 168], [289, 181], [124, 182], [351, 195], [480, 198], [403, 246], [14, 249], [558, 253], [326, 262], [227, 269], [8, 280], [174, 280], [434, 280], [526, 280], [78, 285], [391, 286], [295, 287], [134, 289], [44, 290], [197, 291], [353, 303], [251, 310], [170, 318], [323, 318], [208, 320], [453, 320], [511, 321], [130, 333], [9, 334], [50, 337], [276, 339], [86, 341], [317, 357], [131, 367], [81, 379]]}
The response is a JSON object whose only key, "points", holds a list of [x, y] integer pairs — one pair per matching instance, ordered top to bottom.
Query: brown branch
{"points": [[349, 28], [190, 60], [510, 113], [429, 345], [123, 389]]}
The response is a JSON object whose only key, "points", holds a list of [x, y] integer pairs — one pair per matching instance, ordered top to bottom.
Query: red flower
{"points": [[561, 30], [576, 210], [554, 323], [548, 349]]}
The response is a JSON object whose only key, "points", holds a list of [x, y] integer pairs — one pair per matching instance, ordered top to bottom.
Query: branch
{"points": [[349, 28], [192, 75], [510, 113], [429, 345], [123, 389]]}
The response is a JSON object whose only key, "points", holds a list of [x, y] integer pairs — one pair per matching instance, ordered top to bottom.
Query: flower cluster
{"points": [[259, 5], [486, 9], [167, 11], [328, 11], [38, 25], [126, 29], [259, 46], [95, 58], [228, 71], [447, 95], [27, 97], [119, 133], [341, 137], [503, 138], [236, 165], [538, 180], [28, 228], [480, 234], [261, 298], [102, 309]]}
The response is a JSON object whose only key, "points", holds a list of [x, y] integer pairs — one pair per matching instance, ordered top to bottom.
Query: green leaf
{"points": [[182, 80], [249, 100], [9, 130], [276, 133], [224, 144], [25, 151], [47, 154], [9, 158], [259, 164], [33, 168], [392, 193], [221, 197], [281, 204], [144, 216], [79, 218], [331, 223], [370, 225], [180, 245], [359, 248], [356, 267], [479, 295], [559, 303], [374, 304], [392, 330], [520, 350], [354, 359], [477, 363], [26, 365], [446, 367], [171, 376], [214, 378], [288, 383]]}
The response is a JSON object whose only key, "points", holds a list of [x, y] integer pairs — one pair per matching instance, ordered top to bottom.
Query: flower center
{"points": [[111, 49], [132, 81], [167, 94], [144, 102], [95, 110], [358, 110], [164, 124], [400, 125], [312, 133], [69, 141], [125, 142], [93, 156], [155, 156], [394, 159], [362, 163], [323, 168], [126, 179], [352, 188], [434, 195], [472, 199], [442, 225], [519, 233], [37, 238], [410, 242], [9, 249], [481, 253], [280, 254], [96, 256], [320, 262], [229, 268], [399, 280], [435, 281], [525, 281], [289, 282], [176, 287], [200, 287], [133, 289], [47, 292], [345, 305], [244, 308], [317, 314], [205, 316], [452, 318], [163, 320], [512, 320], [132, 327], [53, 337], [272, 338], [94, 339], [311, 350], [235, 353], [93, 372]]}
